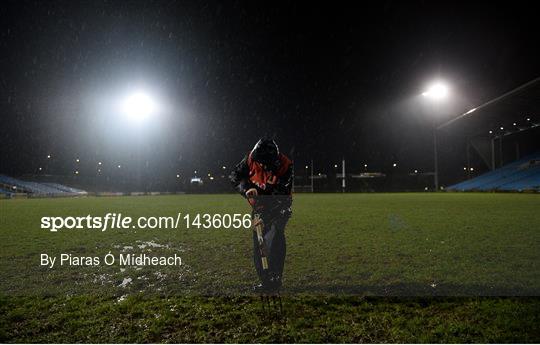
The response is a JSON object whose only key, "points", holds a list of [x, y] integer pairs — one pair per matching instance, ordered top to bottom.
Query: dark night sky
{"points": [[326, 81]]}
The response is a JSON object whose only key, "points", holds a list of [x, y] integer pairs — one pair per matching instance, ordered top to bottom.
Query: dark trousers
{"points": [[274, 238]]}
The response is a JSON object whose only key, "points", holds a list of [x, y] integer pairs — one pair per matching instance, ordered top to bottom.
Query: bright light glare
{"points": [[436, 91], [138, 106]]}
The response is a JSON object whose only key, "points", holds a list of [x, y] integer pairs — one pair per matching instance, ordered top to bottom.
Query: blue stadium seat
{"points": [[519, 175], [65, 188], [37, 189], [5, 191]]}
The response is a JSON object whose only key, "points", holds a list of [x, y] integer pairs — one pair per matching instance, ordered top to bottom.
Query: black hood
{"points": [[266, 152]]}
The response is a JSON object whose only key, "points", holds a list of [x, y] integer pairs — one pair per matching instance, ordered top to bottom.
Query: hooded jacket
{"points": [[251, 174]]}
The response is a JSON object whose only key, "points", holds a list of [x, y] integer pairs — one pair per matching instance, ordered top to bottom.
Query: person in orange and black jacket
{"points": [[265, 178]]}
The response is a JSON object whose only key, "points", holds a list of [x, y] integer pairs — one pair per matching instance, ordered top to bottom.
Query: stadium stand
{"points": [[521, 175], [11, 185], [64, 188], [5, 191]]}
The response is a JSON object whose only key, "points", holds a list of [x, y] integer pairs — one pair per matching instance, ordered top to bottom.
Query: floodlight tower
{"points": [[436, 93], [139, 108]]}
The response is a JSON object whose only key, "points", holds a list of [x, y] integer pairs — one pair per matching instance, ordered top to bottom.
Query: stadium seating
{"points": [[521, 175], [13, 185], [65, 188], [5, 191]]}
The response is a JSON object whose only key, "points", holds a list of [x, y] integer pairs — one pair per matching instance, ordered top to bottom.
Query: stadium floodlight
{"points": [[437, 91], [138, 106], [49, 156], [77, 160], [99, 163], [394, 165], [177, 175]]}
